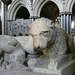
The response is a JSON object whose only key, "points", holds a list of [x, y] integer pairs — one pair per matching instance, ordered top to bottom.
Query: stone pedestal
{"points": [[68, 68]]}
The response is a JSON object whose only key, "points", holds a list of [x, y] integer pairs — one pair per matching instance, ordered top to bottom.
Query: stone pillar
{"points": [[32, 16], [2, 19], [5, 19], [66, 21], [74, 24], [9, 28]]}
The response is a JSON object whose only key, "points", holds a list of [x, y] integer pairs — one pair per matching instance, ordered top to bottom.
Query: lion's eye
{"points": [[44, 33]]}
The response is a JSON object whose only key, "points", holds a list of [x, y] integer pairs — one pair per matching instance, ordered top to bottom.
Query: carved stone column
{"points": [[32, 16], [5, 19], [66, 21]]}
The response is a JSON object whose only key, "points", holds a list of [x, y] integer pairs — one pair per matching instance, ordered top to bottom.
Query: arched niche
{"points": [[15, 6], [51, 11], [22, 13], [73, 17]]}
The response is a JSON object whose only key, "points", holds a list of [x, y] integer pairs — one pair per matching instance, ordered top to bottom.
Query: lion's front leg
{"points": [[40, 62]]}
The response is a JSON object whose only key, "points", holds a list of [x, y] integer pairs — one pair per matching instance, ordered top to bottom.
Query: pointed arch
{"points": [[39, 4], [70, 4], [15, 6], [50, 10], [22, 13]]}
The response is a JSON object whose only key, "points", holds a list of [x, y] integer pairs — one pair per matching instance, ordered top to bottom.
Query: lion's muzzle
{"points": [[39, 42]]}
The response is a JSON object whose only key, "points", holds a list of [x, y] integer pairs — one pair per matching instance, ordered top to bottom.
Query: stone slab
{"points": [[68, 68], [21, 72]]}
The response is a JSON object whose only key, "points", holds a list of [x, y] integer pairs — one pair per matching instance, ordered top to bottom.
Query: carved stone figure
{"points": [[54, 42], [11, 53]]}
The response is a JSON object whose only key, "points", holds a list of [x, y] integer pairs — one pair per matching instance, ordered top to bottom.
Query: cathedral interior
{"points": [[62, 13], [16, 17]]}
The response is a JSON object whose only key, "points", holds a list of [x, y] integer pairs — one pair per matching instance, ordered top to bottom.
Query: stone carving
{"points": [[19, 27], [54, 42], [27, 44], [11, 53]]}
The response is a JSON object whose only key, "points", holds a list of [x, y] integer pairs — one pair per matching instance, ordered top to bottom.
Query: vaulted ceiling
{"points": [[50, 10]]}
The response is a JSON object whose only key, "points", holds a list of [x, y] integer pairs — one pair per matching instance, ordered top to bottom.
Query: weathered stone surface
{"points": [[23, 40], [27, 43], [55, 44], [11, 52], [67, 68], [21, 71]]}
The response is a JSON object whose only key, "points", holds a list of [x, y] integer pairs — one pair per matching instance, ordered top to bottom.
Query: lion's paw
{"points": [[32, 62]]}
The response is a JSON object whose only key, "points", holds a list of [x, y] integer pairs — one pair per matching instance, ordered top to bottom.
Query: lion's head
{"points": [[42, 32]]}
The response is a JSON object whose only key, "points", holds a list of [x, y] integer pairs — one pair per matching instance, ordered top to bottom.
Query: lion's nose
{"points": [[38, 47]]}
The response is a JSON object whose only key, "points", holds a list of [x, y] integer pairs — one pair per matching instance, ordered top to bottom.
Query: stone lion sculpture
{"points": [[54, 42], [11, 53]]}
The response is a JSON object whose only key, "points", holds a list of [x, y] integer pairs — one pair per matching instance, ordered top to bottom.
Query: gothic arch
{"points": [[39, 4], [70, 4], [15, 6], [73, 9], [50, 10], [22, 13]]}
